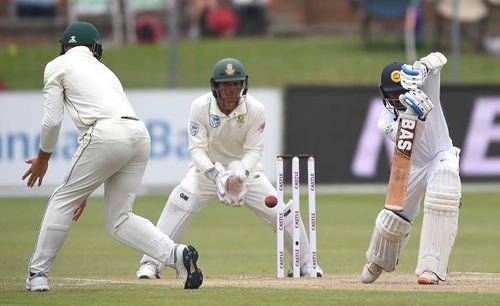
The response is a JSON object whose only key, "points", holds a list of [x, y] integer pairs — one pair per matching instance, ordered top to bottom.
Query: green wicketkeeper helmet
{"points": [[81, 33], [228, 70]]}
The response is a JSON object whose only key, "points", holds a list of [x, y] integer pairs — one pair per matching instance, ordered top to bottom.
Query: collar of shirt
{"points": [[80, 50], [241, 109]]}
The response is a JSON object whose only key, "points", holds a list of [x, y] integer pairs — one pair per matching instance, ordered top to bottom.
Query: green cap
{"points": [[80, 33]]}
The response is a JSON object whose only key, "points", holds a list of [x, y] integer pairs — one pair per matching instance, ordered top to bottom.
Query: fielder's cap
{"points": [[80, 33], [390, 80]]}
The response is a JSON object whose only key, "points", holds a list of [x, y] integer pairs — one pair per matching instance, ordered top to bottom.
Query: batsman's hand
{"points": [[433, 62], [413, 76], [418, 102], [79, 210]]}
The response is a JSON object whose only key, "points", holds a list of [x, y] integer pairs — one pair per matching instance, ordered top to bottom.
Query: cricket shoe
{"points": [[185, 264], [148, 270], [306, 271], [370, 273], [428, 278], [37, 282]]}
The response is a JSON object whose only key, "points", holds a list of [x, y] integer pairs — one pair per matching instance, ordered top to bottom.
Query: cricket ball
{"points": [[271, 201]]}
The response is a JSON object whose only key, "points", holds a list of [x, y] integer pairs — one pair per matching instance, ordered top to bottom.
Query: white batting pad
{"points": [[440, 222], [389, 237]]}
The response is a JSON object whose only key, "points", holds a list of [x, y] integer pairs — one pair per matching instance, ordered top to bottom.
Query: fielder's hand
{"points": [[418, 102], [38, 168], [79, 210]]}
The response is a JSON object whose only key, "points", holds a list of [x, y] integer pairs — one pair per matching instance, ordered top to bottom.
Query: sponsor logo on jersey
{"points": [[214, 120], [194, 128]]}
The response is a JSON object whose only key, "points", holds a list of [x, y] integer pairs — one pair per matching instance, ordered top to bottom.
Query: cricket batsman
{"points": [[226, 128], [434, 175]]}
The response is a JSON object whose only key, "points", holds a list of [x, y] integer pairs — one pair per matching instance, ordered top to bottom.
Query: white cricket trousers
{"points": [[114, 152]]}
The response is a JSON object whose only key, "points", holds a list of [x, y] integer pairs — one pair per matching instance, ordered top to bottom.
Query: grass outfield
{"points": [[274, 62], [237, 256]]}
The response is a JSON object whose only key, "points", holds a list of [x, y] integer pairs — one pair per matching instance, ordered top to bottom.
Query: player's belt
{"points": [[129, 118]]}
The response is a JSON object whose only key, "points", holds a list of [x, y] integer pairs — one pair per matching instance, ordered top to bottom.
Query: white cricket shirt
{"points": [[86, 87], [435, 136], [215, 137]]}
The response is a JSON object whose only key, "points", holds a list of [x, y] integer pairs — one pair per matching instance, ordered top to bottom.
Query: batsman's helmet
{"points": [[81, 33], [228, 70], [390, 81]]}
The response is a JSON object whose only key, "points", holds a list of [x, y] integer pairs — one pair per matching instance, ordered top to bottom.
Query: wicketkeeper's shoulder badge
{"points": [[229, 69], [194, 128]]}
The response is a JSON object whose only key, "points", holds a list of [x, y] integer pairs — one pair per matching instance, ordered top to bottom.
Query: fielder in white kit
{"points": [[226, 128], [114, 149], [434, 175]]}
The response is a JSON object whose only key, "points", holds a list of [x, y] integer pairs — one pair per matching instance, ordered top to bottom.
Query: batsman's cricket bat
{"points": [[401, 162]]}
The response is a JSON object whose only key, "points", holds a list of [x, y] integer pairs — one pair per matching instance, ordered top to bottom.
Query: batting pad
{"points": [[440, 222], [388, 239]]}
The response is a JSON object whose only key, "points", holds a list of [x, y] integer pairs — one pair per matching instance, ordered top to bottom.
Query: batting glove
{"points": [[434, 62], [413, 76], [417, 101]]}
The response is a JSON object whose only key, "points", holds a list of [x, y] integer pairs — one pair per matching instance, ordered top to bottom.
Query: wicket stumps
{"points": [[294, 208]]}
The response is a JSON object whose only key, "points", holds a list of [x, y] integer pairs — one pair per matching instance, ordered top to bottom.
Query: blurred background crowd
{"points": [[150, 21], [312, 58]]}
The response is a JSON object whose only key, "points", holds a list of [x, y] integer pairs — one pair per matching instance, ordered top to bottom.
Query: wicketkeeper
{"points": [[226, 128], [434, 175]]}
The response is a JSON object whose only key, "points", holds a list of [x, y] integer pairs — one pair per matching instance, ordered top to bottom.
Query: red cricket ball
{"points": [[271, 201]]}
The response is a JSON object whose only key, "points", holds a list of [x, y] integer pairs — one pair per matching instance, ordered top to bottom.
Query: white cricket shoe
{"points": [[185, 264], [148, 270], [370, 273], [428, 278], [37, 282]]}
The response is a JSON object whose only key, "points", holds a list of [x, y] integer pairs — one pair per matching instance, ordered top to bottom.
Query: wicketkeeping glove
{"points": [[417, 101], [220, 180], [231, 185], [236, 185], [236, 191]]}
